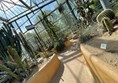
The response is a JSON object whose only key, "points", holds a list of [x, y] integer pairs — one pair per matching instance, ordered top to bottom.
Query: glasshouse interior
{"points": [[58, 41]]}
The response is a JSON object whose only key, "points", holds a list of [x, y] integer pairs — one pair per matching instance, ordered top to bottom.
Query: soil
{"points": [[110, 54]]}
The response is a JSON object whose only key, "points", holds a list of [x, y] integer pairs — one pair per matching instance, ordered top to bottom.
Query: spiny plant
{"points": [[105, 13], [107, 24], [7, 38], [26, 45], [16, 57], [4, 68]]}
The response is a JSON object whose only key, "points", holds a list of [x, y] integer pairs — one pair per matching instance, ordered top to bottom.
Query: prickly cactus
{"points": [[105, 13], [107, 24], [16, 57], [27, 66], [4, 68]]}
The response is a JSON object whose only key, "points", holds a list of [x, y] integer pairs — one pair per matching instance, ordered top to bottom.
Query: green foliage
{"points": [[96, 4], [85, 12], [105, 13], [107, 24], [50, 28], [31, 36], [85, 37], [7, 38], [26, 45], [59, 46], [49, 53], [16, 57], [13, 64], [27, 66], [4, 68]]}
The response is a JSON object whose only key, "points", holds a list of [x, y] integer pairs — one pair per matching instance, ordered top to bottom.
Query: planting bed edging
{"points": [[68, 43], [47, 72], [102, 72]]}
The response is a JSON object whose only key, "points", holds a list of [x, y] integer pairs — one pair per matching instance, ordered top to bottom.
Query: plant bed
{"points": [[67, 43], [102, 70], [44, 73]]}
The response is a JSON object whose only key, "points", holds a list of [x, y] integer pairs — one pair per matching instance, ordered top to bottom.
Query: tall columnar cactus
{"points": [[105, 13], [107, 24], [7, 38], [24, 43], [27, 46], [16, 57], [27, 66], [4, 68]]}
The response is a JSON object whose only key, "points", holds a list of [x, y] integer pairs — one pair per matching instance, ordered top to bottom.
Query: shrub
{"points": [[59, 45]]}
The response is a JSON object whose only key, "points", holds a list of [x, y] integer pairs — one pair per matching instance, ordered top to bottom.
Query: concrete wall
{"points": [[47, 72], [102, 72]]}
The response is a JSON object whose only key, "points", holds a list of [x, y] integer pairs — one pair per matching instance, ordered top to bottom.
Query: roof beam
{"points": [[13, 3], [25, 4], [28, 12], [3, 19]]}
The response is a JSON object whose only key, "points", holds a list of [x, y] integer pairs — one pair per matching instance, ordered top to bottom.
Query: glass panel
{"points": [[50, 7], [34, 16], [22, 20], [14, 24], [24, 25], [40, 27], [18, 31], [44, 35]]}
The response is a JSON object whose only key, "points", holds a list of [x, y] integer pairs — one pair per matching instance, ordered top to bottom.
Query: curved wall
{"points": [[47, 72], [102, 72]]}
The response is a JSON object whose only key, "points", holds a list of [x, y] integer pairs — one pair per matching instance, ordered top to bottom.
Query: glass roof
{"points": [[12, 8]]}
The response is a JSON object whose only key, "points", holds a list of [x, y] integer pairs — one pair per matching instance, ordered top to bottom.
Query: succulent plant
{"points": [[105, 13], [107, 24], [7, 38], [26, 45], [16, 57], [27, 65], [4, 68]]}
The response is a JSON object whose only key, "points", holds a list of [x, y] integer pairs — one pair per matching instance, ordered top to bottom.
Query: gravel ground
{"points": [[110, 54]]}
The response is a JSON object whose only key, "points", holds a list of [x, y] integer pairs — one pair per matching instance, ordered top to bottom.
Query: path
{"points": [[73, 68]]}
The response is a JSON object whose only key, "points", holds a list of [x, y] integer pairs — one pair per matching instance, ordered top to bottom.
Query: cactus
{"points": [[105, 13], [107, 24], [7, 38], [24, 43], [27, 46], [16, 57], [13, 64], [27, 65], [4, 68]]}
